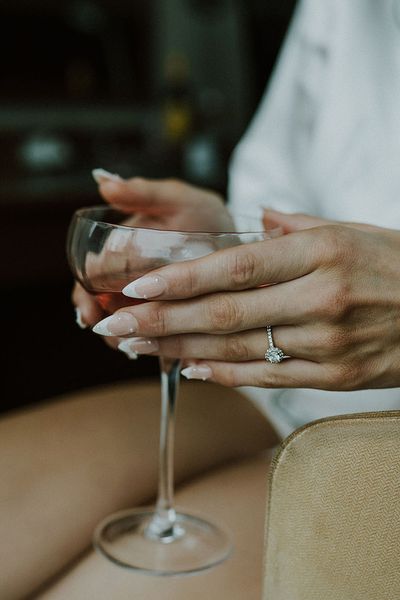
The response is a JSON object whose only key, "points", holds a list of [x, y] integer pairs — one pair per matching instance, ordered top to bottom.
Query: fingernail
{"points": [[101, 175], [145, 287], [78, 319], [122, 323], [139, 345], [128, 352], [197, 372]]}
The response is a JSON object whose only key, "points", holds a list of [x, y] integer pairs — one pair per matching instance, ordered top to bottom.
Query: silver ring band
{"points": [[273, 355]]}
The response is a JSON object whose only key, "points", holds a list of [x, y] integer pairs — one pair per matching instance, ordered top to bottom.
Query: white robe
{"points": [[326, 141]]}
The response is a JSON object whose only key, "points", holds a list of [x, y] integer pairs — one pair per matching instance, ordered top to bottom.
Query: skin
{"points": [[164, 204], [334, 305], [87, 455], [67, 464], [93, 578]]}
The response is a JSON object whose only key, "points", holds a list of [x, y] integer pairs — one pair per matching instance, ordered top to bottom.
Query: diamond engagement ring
{"points": [[273, 355]]}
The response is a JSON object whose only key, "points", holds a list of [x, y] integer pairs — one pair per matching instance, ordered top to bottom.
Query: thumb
{"points": [[291, 222]]}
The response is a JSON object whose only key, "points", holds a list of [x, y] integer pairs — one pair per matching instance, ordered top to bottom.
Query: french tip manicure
{"points": [[101, 175], [148, 286], [130, 291], [78, 319], [120, 323], [101, 327], [139, 345], [129, 353], [202, 372]]}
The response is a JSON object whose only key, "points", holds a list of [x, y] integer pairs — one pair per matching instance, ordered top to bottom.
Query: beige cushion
{"points": [[333, 521]]}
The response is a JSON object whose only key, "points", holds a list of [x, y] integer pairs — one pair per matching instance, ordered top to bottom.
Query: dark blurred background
{"points": [[146, 87]]}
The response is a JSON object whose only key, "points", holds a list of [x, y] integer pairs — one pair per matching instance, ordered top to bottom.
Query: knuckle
{"points": [[332, 243], [340, 247], [242, 268], [190, 280], [334, 301], [225, 313], [157, 319], [335, 341], [172, 346], [236, 349], [343, 376], [228, 377], [334, 378], [270, 379]]}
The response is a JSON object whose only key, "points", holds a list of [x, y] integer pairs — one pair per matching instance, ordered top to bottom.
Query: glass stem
{"points": [[162, 526]]}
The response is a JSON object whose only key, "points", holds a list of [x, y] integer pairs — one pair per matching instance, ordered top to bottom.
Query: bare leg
{"points": [[66, 465], [234, 495]]}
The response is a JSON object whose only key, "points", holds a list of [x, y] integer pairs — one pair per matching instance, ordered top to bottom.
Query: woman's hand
{"points": [[167, 204], [334, 308]]}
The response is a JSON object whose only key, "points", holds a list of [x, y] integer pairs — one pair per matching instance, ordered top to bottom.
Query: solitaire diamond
{"points": [[274, 355]]}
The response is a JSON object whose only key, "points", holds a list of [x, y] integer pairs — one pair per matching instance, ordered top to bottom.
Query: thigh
{"points": [[66, 465], [233, 496]]}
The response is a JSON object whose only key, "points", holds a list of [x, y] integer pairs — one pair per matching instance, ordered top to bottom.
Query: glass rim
{"points": [[80, 213]]}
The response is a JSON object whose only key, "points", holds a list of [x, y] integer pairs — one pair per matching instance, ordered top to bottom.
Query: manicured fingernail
{"points": [[101, 175], [145, 287], [78, 319], [122, 323], [139, 345], [128, 352], [197, 372]]}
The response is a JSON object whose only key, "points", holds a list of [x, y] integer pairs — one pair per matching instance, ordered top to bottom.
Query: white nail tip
{"points": [[99, 175], [129, 290], [78, 319], [101, 327], [124, 347], [129, 353], [202, 372]]}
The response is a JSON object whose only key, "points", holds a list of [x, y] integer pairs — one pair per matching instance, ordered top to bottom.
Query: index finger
{"points": [[151, 197], [238, 268]]}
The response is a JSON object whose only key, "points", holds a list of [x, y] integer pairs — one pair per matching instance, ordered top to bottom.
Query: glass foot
{"points": [[193, 545]]}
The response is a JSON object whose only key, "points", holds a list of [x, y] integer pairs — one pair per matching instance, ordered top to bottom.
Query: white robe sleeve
{"points": [[269, 166]]}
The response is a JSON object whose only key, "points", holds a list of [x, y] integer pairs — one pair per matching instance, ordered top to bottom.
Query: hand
{"points": [[167, 204], [335, 308]]}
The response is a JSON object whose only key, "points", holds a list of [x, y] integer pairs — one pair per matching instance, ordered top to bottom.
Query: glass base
{"points": [[126, 538]]}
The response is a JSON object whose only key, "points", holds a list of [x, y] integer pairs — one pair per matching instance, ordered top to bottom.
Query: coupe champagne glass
{"points": [[107, 251]]}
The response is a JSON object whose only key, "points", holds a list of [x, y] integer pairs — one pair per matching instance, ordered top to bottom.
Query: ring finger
{"points": [[244, 346]]}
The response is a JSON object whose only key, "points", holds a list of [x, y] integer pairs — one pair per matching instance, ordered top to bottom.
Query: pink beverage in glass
{"points": [[106, 253], [112, 301]]}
